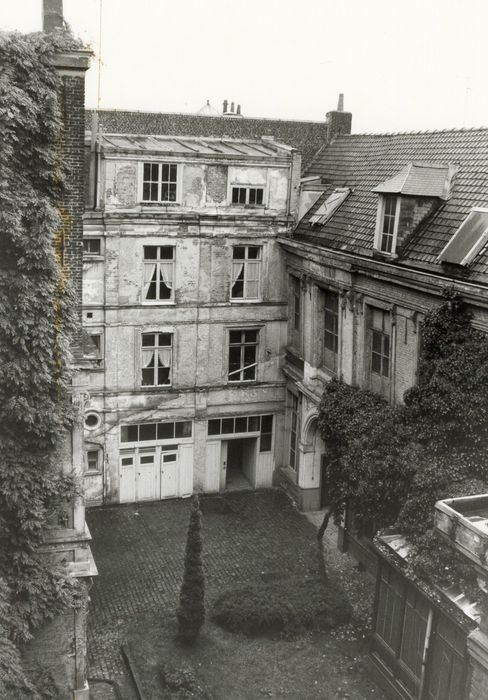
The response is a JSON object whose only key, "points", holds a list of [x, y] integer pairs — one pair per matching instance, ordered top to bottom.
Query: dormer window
{"points": [[331, 204], [387, 224], [468, 240]]}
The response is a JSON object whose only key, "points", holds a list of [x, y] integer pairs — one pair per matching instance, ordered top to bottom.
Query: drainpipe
{"points": [[428, 633]]}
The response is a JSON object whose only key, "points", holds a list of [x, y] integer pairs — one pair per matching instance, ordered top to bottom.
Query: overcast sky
{"points": [[402, 64]]}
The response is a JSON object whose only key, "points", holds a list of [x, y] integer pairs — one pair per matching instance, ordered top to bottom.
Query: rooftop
{"points": [[193, 146], [364, 162]]}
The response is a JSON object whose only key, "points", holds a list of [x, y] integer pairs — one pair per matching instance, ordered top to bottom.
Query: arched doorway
{"points": [[315, 473]]}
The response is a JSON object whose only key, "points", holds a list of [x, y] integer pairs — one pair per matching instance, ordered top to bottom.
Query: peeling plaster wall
{"points": [[202, 186]]}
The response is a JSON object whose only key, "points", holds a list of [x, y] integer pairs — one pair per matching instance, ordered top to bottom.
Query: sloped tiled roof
{"points": [[306, 136], [363, 161], [424, 179]]}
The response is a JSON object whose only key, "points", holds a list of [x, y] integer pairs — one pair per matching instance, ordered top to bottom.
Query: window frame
{"points": [[141, 181], [247, 187], [380, 218], [88, 255], [245, 261], [146, 262], [335, 332], [243, 346], [155, 348], [379, 382], [294, 425], [99, 456]]}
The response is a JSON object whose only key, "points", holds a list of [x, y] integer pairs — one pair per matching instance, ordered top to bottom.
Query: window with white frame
{"points": [[159, 182], [250, 196], [387, 223], [92, 247], [159, 266], [246, 272], [243, 348], [157, 354], [294, 430], [93, 461]]}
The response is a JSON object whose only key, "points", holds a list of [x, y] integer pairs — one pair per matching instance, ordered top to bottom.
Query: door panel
{"points": [[223, 463], [213, 467], [169, 474], [147, 477], [127, 478]]}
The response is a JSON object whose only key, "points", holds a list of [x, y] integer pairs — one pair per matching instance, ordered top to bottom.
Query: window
{"points": [[159, 182], [251, 196], [327, 208], [387, 223], [468, 240], [92, 246], [159, 263], [246, 272], [296, 303], [331, 330], [93, 346], [243, 346], [379, 350], [156, 359], [92, 420], [245, 424], [146, 432], [266, 437], [93, 460], [293, 461]]}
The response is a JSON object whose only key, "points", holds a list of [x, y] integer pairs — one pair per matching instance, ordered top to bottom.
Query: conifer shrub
{"points": [[281, 608], [191, 610]]}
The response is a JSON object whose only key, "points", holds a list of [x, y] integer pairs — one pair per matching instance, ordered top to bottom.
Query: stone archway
{"points": [[312, 449]]}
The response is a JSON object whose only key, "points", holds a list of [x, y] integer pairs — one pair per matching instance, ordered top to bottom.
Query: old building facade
{"points": [[388, 222], [185, 314]]}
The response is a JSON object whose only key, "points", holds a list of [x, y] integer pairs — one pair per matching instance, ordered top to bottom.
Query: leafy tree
{"points": [[390, 464], [191, 611]]}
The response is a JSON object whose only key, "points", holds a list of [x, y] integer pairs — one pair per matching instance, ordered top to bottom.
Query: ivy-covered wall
{"points": [[39, 322]]}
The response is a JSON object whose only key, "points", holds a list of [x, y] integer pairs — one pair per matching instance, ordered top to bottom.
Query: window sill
{"points": [[159, 204], [92, 258], [245, 301], [158, 302], [326, 374], [241, 381], [144, 387], [92, 472]]}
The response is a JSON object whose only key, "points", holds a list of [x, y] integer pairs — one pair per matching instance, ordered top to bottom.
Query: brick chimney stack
{"points": [[52, 15], [224, 110], [337, 121]]}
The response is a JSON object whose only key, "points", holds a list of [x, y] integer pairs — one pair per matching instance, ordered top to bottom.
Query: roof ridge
{"points": [[203, 116], [413, 133]]}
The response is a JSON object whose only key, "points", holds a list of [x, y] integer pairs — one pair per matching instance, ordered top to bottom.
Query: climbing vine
{"points": [[36, 326], [390, 464]]}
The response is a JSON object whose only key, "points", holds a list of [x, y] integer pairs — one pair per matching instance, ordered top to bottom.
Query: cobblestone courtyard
{"points": [[139, 553]]}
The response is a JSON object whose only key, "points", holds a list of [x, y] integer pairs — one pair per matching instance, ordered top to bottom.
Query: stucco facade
{"points": [[185, 303]]}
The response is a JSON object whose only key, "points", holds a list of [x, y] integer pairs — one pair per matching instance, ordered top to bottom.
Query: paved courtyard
{"points": [[139, 552]]}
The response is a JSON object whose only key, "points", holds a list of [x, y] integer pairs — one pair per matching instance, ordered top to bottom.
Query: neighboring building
{"points": [[387, 223], [185, 313]]}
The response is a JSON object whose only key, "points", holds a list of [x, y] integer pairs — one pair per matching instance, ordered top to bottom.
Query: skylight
{"points": [[327, 208], [468, 240]]}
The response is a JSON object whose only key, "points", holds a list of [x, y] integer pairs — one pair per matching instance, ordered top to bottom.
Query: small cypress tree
{"points": [[191, 610]]}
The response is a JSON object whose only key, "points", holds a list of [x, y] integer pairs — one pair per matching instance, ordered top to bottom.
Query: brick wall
{"points": [[72, 101]]}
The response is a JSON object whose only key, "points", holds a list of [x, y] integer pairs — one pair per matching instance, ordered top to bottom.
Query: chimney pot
{"points": [[52, 15], [340, 104], [225, 106], [232, 107], [238, 109]]}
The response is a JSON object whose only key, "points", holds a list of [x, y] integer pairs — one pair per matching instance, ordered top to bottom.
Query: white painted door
{"points": [[223, 463], [212, 467], [185, 470], [169, 474], [147, 477], [127, 478]]}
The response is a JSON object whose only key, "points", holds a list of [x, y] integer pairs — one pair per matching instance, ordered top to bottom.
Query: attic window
{"points": [[327, 208], [387, 224], [468, 240]]}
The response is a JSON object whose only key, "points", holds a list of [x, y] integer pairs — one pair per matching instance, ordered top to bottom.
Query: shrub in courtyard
{"points": [[283, 607], [191, 611]]}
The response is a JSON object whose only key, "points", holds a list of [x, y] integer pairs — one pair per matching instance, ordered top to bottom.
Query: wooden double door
{"points": [[148, 474]]}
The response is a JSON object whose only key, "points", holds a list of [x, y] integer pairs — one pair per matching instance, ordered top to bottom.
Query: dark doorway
{"points": [[241, 463]]}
